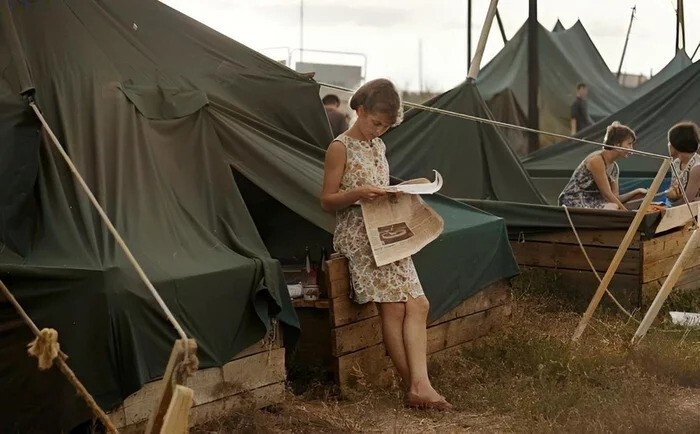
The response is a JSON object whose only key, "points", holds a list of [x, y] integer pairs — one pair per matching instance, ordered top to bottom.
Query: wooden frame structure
{"points": [[347, 337], [254, 378]]}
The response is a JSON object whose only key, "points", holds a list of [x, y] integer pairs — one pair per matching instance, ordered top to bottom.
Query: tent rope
{"points": [[590, 264], [46, 349]]}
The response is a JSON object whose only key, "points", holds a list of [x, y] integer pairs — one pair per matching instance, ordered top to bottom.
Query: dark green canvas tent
{"points": [[567, 56], [650, 116], [206, 156]]}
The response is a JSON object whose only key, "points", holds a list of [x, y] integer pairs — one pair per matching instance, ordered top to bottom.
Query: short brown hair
{"points": [[581, 85], [379, 96], [617, 133], [684, 137]]}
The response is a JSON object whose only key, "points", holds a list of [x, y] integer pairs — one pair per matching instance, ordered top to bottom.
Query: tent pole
{"points": [[678, 24], [500, 26], [469, 35], [627, 38], [476, 62], [533, 74], [622, 250], [667, 287]]}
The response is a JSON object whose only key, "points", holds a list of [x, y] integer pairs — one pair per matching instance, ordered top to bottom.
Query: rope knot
{"points": [[45, 348]]}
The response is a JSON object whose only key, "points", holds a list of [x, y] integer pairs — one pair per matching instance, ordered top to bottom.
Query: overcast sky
{"points": [[388, 32]]}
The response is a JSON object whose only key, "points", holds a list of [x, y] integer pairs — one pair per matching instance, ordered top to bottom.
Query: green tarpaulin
{"points": [[165, 118]]}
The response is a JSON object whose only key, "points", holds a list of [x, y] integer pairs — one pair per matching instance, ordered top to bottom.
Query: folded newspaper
{"points": [[399, 226]]}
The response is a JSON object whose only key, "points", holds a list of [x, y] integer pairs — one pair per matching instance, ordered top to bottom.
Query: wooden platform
{"points": [[641, 272], [348, 337], [254, 378]]}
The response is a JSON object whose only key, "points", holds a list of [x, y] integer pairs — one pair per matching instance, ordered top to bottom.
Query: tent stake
{"points": [[624, 245]]}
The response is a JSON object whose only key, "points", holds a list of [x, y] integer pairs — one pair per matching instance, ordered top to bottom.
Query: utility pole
{"points": [[301, 31], [624, 50], [420, 65], [533, 74]]}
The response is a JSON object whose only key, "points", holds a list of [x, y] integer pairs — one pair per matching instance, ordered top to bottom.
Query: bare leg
{"points": [[393, 315], [415, 344]]}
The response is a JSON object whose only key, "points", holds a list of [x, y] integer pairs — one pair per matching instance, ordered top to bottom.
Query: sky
{"points": [[389, 33]]}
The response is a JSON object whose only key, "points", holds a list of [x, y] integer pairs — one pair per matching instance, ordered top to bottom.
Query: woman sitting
{"points": [[683, 147], [595, 182]]}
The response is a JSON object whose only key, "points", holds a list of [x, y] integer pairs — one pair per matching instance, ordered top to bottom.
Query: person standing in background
{"points": [[579, 110], [336, 118]]}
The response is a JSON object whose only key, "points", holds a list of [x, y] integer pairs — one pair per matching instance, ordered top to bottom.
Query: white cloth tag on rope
{"points": [[418, 186]]}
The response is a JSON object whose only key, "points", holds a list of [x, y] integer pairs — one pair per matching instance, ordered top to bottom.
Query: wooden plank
{"points": [[589, 237], [664, 246], [570, 257], [659, 269], [337, 270], [689, 280], [582, 285], [487, 298], [314, 304], [345, 311], [465, 329], [367, 332], [355, 336], [261, 346], [372, 365], [254, 372], [238, 376], [211, 384], [257, 398], [118, 417], [177, 417]]}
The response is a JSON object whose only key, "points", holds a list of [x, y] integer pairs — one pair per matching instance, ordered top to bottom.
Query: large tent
{"points": [[567, 56], [650, 116], [165, 119]]}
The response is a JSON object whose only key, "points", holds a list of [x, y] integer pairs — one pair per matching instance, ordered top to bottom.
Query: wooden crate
{"points": [[639, 277], [356, 352], [254, 378]]}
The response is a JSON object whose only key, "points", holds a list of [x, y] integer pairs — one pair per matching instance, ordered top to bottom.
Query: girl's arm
{"points": [[597, 168], [331, 198]]}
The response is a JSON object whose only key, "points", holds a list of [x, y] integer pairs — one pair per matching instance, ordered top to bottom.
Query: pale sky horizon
{"points": [[388, 32]]}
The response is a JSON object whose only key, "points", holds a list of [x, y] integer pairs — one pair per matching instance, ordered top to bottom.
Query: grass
{"points": [[527, 377]]}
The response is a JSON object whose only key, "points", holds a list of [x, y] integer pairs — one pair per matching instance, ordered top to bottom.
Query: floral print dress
{"points": [[366, 164], [582, 191]]}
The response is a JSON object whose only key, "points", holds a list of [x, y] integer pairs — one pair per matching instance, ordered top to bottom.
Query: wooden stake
{"points": [[624, 245], [667, 287], [165, 404], [176, 420]]}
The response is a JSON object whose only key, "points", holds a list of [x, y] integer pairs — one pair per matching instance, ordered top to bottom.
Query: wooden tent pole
{"points": [[475, 66], [624, 245]]}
